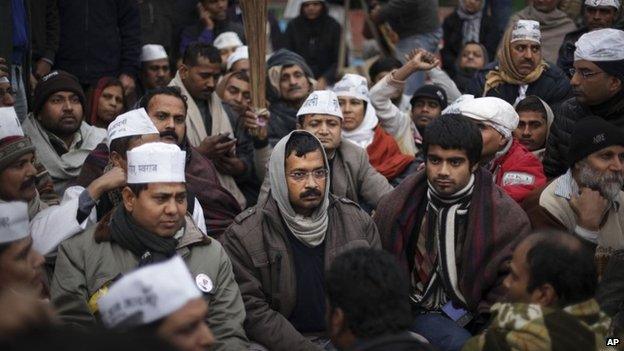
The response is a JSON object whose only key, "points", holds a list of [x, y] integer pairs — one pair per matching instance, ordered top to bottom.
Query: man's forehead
{"points": [[528, 43], [159, 62], [204, 64], [291, 69], [238, 83], [63, 94], [165, 103], [531, 116], [323, 117], [439, 151], [166, 188]]}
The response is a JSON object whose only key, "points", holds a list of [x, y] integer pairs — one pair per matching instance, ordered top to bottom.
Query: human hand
{"points": [[204, 16], [421, 60], [128, 84], [257, 124], [216, 146], [113, 179], [589, 206]]}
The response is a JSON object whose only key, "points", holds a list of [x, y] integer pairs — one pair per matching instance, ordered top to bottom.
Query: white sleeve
{"points": [[441, 79], [392, 119], [198, 217], [57, 223], [589, 235]]}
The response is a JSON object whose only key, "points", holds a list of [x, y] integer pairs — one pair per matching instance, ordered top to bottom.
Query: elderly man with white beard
{"points": [[587, 200]]}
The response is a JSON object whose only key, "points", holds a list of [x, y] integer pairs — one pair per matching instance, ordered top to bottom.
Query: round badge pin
{"points": [[203, 283]]}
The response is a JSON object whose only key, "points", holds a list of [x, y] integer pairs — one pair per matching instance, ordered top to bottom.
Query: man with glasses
{"points": [[597, 81], [281, 248]]}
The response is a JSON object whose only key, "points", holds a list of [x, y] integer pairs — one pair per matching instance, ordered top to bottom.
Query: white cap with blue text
{"points": [[156, 163]]}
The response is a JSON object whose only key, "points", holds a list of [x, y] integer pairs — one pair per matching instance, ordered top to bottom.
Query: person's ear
{"points": [[184, 71], [615, 84], [117, 160], [129, 199], [544, 295], [336, 321]]}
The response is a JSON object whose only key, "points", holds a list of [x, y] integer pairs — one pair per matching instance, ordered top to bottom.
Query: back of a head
{"points": [[196, 50], [383, 64], [531, 103], [454, 131], [301, 143], [563, 261], [368, 286]]}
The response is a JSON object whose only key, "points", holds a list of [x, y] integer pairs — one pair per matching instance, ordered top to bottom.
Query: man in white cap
{"points": [[597, 14], [554, 22], [227, 43], [239, 60], [520, 69], [155, 71], [598, 82], [7, 93], [513, 167], [352, 175], [151, 225], [281, 247], [19, 262], [163, 300]]}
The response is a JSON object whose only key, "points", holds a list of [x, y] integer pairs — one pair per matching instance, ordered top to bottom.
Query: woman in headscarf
{"points": [[468, 23], [106, 102], [362, 127]]}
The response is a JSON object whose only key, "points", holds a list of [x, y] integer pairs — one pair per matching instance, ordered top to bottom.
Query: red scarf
{"points": [[94, 98], [385, 156]]}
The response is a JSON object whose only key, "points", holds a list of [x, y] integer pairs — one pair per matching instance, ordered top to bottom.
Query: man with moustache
{"points": [[597, 14], [520, 69], [290, 81], [598, 83], [166, 107], [208, 127], [57, 128], [352, 175], [587, 200], [150, 225], [452, 230], [281, 247]]}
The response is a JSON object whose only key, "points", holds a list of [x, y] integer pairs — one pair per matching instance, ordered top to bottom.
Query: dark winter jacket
{"points": [[411, 17], [157, 20], [44, 29], [489, 36], [99, 38], [317, 41], [552, 86], [566, 115], [405, 341]]}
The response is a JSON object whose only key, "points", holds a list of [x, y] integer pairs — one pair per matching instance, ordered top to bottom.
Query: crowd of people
{"points": [[462, 190]]}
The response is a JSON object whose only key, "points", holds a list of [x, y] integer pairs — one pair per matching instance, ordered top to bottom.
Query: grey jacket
{"points": [[352, 177], [258, 246], [89, 260]]}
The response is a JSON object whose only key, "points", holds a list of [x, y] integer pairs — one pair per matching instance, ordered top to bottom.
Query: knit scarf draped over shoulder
{"points": [[471, 23], [507, 72], [149, 247]]}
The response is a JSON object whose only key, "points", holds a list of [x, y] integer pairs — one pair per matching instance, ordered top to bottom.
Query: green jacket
{"points": [[88, 261], [530, 327]]}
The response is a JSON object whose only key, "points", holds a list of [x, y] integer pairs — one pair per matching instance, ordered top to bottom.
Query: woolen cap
{"points": [[53, 82], [433, 92], [592, 134]]}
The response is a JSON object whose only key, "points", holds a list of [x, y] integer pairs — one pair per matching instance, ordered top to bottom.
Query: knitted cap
{"points": [[54, 82], [433, 92], [592, 134]]}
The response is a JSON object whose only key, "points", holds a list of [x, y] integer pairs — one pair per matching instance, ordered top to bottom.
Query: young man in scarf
{"points": [[597, 14], [554, 23], [520, 69], [290, 81], [598, 82], [166, 107], [536, 117], [208, 127], [57, 128], [390, 148], [514, 168], [587, 200], [149, 226], [453, 231], [281, 247], [550, 301]]}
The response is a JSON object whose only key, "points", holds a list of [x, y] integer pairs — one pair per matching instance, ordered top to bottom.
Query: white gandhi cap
{"points": [[152, 52], [321, 102], [134, 122], [9, 123], [156, 163], [13, 221], [148, 294]]}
